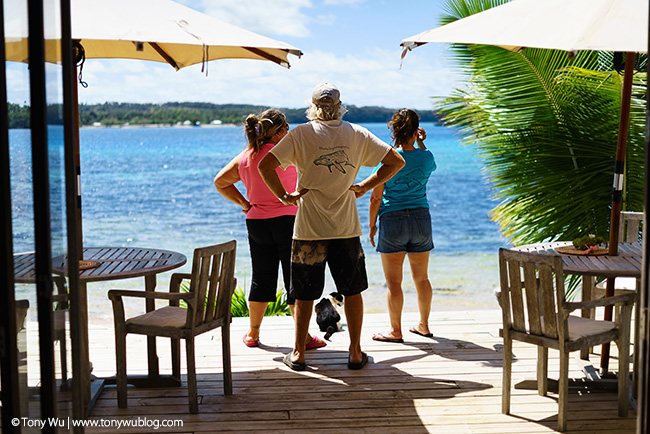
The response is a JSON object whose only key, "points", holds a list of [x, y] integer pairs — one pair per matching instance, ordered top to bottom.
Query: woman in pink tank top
{"points": [[269, 222]]}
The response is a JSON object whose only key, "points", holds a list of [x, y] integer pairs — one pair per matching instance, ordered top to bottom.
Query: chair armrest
{"points": [[176, 280], [115, 294], [607, 301]]}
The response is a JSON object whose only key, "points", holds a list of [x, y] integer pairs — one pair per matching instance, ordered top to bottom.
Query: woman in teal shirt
{"points": [[405, 224]]}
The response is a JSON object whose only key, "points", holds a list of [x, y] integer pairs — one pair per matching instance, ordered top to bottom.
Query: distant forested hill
{"points": [[196, 112]]}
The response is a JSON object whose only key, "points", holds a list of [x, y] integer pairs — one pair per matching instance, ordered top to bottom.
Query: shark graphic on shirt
{"points": [[338, 159], [411, 179]]}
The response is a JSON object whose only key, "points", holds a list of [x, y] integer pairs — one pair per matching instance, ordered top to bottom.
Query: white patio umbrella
{"points": [[570, 25], [155, 30], [158, 30]]}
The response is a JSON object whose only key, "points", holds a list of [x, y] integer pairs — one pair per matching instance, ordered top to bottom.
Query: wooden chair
{"points": [[208, 301], [535, 311]]}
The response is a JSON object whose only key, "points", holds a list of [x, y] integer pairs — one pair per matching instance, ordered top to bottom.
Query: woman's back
{"points": [[408, 188], [263, 202]]}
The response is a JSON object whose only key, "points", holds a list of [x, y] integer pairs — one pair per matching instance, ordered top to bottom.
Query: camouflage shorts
{"points": [[346, 261]]}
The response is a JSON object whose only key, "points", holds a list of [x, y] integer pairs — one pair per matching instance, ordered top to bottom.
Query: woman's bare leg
{"points": [[419, 263], [392, 264], [256, 310]]}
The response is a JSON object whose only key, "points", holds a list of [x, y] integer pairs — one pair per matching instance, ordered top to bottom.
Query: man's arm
{"points": [[390, 165], [267, 171]]}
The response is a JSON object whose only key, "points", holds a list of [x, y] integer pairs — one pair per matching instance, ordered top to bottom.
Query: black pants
{"points": [[270, 246]]}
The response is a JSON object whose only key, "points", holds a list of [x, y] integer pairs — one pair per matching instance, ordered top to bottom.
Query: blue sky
{"points": [[351, 43]]}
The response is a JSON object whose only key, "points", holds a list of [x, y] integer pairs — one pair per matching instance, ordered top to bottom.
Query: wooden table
{"points": [[114, 263], [626, 264]]}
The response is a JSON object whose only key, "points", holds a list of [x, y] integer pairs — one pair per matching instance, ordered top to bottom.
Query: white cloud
{"points": [[279, 18], [371, 79], [17, 83]]}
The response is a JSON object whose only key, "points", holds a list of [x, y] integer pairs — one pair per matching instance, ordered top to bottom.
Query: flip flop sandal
{"points": [[415, 331], [382, 338], [315, 343], [250, 344], [361, 364], [296, 366]]}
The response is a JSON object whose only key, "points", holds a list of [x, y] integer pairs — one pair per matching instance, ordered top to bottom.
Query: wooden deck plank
{"points": [[451, 383]]}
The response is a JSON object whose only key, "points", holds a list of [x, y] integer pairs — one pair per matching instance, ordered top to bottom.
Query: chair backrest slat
{"points": [[629, 226], [226, 285], [213, 287], [202, 289], [516, 296], [532, 298], [547, 301]]}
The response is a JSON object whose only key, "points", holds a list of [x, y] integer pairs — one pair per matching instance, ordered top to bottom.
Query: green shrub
{"points": [[239, 307], [279, 307]]}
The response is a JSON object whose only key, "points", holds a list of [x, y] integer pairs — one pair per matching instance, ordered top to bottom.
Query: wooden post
{"points": [[617, 194]]}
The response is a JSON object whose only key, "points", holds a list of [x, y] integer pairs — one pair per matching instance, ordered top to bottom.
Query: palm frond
{"points": [[545, 127]]}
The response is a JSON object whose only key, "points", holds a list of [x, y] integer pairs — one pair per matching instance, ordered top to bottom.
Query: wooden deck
{"points": [[449, 384]]}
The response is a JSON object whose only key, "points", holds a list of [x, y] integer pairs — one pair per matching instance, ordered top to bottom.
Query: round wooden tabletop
{"points": [[113, 263]]}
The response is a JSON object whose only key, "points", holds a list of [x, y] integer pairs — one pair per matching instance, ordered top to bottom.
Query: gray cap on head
{"points": [[325, 93]]}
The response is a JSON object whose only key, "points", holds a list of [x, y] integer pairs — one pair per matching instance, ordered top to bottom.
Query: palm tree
{"points": [[546, 128]]}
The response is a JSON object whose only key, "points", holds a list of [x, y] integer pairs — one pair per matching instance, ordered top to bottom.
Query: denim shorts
{"points": [[407, 230]]}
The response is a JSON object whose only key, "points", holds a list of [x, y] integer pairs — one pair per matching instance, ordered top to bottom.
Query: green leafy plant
{"points": [[588, 241], [239, 305], [279, 307]]}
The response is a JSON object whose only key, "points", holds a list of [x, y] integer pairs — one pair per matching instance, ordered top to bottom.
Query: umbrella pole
{"points": [[75, 128], [617, 194], [82, 353]]}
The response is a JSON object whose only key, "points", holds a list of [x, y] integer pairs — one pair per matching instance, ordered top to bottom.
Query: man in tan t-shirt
{"points": [[328, 153]]}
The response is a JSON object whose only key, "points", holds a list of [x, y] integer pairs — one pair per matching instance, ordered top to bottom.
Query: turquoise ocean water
{"points": [[152, 187]]}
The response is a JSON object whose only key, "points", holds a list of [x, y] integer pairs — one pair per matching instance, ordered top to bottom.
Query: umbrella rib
{"points": [[164, 55], [267, 56]]}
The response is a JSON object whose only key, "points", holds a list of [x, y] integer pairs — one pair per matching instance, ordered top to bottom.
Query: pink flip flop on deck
{"points": [[315, 343], [250, 344]]}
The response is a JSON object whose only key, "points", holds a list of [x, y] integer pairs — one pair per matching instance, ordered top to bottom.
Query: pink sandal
{"points": [[315, 343], [250, 344]]}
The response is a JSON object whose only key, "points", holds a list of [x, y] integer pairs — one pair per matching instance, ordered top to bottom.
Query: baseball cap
{"points": [[325, 93]]}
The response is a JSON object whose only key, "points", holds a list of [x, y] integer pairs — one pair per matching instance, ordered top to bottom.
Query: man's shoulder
{"points": [[357, 127]]}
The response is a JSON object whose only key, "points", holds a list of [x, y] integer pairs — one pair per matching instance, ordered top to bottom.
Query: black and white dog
{"points": [[327, 316]]}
